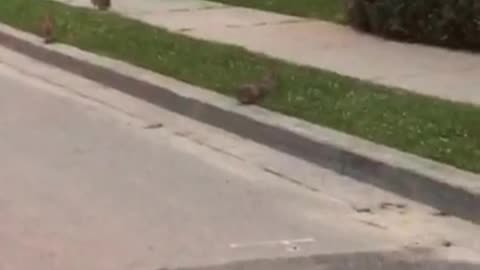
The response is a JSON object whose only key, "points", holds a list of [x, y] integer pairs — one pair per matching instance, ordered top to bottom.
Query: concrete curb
{"points": [[448, 189]]}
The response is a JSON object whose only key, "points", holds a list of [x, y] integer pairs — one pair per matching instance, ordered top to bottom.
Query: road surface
{"points": [[83, 186]]}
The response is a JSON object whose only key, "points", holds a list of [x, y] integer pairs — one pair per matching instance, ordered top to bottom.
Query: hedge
{"points": [[450, 23]]}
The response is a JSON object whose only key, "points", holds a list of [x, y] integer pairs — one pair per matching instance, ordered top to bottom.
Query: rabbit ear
{"points": [[48, 16]]}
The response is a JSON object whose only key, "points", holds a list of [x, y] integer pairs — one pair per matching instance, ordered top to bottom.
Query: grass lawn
{"points": [[330, 10], [444, 131]]}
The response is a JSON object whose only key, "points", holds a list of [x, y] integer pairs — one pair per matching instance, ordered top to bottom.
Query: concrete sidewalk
{"points": [[426, 70]]}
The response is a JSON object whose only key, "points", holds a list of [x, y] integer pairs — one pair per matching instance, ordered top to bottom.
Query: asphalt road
{"points": [[85, 188]]}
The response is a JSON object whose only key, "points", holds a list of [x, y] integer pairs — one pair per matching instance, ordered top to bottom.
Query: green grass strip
{"points": [[328, 10], [440, 130]]}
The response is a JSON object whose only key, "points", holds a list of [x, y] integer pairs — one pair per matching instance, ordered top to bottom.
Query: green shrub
{"points": [[452, 23]]}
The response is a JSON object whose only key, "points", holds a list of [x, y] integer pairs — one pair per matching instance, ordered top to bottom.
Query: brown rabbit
{"points": [[101, 4], [48, 29], [252, 93]]}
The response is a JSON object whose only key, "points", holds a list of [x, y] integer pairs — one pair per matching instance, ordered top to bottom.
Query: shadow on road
{"points": [[420, 259]]}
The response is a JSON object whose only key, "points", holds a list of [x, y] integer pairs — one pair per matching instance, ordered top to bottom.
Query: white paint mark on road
{"points": [[273, 243]]}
